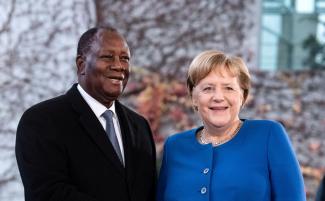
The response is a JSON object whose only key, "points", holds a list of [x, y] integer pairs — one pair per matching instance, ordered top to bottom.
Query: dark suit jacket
{"points": [[63, 154], [320, 196]]}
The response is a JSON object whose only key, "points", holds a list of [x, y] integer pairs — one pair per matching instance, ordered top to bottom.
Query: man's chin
{"points": [[113, 95]]}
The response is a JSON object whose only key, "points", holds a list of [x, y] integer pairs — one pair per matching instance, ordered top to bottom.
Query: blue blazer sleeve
{"points": [[285, 175]]}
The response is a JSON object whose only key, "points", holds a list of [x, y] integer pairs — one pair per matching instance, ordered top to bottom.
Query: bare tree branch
{"points": [[5, 26]]}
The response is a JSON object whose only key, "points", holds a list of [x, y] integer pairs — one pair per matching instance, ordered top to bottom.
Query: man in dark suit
{"points": [[63, 146], [320, 194]]}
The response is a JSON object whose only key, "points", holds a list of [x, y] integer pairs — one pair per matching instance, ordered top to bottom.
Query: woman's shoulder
{"points": [[263, 123], [267, 126], [271, 128], [263, 132], [182, 136], [182, 142]]}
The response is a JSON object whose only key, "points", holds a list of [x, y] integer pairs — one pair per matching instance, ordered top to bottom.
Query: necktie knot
{"points": [[108, 114]]}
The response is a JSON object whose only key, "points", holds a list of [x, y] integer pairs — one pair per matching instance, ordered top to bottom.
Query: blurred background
{"points": [[282, 42]]}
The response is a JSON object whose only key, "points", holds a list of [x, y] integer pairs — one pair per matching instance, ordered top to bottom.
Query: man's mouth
{"points": [[116, 79]]}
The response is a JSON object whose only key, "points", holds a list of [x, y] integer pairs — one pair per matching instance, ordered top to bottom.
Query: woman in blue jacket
{"points": [[228, 158]]}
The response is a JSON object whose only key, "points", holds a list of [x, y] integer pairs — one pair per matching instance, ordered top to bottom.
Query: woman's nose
{"points": [[218, 95]]}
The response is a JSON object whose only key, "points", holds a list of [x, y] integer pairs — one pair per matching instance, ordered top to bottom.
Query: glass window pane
{"points": [[304, 6]]}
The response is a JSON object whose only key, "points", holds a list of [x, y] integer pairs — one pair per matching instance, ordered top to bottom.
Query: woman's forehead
{"points": [[217, 77]]}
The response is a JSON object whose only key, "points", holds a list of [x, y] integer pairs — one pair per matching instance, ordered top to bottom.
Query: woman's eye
{"points": [[229, 88], [207, 89]]}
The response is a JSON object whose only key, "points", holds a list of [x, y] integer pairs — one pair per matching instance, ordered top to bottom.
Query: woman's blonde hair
{"points": [[213, 60]]}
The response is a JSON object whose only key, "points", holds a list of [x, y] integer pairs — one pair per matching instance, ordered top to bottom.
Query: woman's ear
{"points": [[80, 62], [245, 100], [194, 102], [242, 105]]}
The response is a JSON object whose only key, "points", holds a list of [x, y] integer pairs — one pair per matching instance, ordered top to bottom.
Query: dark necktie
{"points": [[110, 131]]}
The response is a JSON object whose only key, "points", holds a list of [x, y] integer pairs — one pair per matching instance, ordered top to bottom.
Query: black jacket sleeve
{"points": [[42, 161]]}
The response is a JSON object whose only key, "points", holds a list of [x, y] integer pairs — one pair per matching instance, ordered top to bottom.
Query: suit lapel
{"points": [[93, 127], [128, 134]]}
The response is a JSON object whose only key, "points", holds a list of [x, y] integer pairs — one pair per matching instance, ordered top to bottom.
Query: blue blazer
{"points": [[258, 164]]}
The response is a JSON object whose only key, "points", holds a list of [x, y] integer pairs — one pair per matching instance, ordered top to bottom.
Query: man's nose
{"points": [[116, 65]]}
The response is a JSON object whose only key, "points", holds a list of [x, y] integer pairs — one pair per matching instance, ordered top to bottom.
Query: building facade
{"points": [[292, 34]]}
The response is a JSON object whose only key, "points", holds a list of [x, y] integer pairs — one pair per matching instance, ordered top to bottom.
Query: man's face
{"points": [[104, 71]]}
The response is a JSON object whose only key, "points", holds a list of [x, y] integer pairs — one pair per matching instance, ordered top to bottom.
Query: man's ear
{"points": [[81, 63]]}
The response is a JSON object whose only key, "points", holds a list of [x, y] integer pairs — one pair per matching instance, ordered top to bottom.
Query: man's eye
{"points": [[107, 56], [125, 58], [229, 88]]}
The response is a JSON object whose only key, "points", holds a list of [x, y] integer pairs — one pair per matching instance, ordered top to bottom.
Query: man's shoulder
{"points": [[55, 104], [48, 106], [129, 112]]}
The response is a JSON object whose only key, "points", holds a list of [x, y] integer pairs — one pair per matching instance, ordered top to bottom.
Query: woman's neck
{"points": [[219, 133]]}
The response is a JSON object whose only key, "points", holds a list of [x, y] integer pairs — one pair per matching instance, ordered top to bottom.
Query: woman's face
{"points": [[218, 98]]}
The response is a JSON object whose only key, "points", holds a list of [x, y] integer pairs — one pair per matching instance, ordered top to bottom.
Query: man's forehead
{"points": [[104, 34], [107, 35], [107, 40]]}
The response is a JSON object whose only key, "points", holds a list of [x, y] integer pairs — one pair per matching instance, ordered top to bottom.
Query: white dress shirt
{"points": [[99, 109]]}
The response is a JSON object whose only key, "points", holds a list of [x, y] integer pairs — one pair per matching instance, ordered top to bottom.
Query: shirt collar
{"points": [[95, 106]]}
